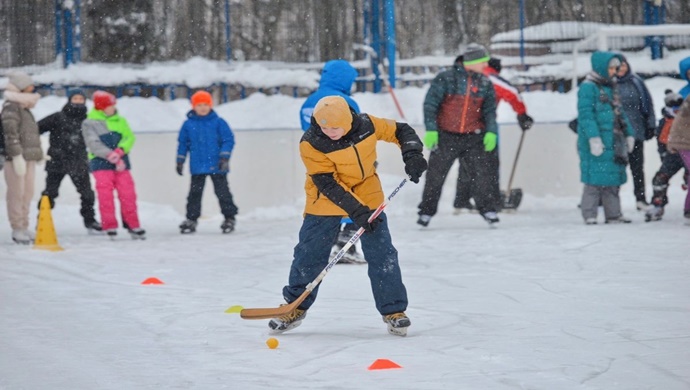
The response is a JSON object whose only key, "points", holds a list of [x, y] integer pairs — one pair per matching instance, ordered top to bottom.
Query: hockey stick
{"points": [[272, 312]]}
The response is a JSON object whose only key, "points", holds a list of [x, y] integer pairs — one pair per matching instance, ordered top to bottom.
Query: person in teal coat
{"points": [[602, 170]]}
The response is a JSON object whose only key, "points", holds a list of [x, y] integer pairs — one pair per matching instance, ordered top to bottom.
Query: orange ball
{"points": [[272, 343]]}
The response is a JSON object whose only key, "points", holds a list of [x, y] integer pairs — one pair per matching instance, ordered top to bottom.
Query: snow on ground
{"points": [[542, 302]]}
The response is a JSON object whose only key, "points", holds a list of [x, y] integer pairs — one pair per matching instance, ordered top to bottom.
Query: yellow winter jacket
{"points": [[341, 175]]}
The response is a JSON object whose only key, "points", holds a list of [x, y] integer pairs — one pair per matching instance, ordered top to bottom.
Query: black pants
{"points": [[636, 159], [671, 163], [482, 167], [79, 173], [463, 188], [222, 189]]}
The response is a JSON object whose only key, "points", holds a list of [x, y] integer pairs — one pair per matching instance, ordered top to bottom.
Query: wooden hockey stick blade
{"points": [[273, 312]]}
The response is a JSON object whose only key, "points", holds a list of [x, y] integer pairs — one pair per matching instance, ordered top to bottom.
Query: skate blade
{"points": [[287, 328], [402, 332]]}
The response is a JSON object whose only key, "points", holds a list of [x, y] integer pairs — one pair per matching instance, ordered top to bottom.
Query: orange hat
{"points": [[202, 97], [333, 111]]}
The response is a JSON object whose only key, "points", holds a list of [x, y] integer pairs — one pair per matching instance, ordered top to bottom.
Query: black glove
{"points": [[525, 121], [649, 133], [223, 164], [415, 165], [179, 168], [361, 218]]}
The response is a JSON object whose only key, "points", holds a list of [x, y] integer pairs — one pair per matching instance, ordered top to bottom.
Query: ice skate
{"points": [[642, 205], [464, 208], [654, 213], [491, 217], [424, 220], [616, 220], [590, 221], [228, 225], [188, 226], [93, 228], [111, 233], [137, 234], [21, 237], [352, 256], [287, 322], [397, 323]]}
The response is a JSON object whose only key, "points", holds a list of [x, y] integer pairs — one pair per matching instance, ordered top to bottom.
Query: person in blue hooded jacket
{"points": [[684, 66], [337, 78], [209, 141], [602, 159]]}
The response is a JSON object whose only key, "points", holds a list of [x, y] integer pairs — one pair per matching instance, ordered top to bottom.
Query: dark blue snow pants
{"points": [[312, 255]]}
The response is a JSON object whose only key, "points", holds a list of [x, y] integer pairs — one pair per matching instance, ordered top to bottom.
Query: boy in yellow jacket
{"points": [[339, 151]]}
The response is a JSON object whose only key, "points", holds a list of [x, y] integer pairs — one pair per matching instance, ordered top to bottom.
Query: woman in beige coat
{"points": [[679, 142], [23, 150]]}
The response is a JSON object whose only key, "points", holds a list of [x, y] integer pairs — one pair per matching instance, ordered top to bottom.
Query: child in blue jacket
{"points": [[209, 141]]}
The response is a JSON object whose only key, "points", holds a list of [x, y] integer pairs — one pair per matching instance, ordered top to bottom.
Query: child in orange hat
{"points": [[209, 141]]}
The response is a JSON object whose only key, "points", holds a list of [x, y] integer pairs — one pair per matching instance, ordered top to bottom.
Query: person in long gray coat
{"points": [[637, 104], [23, 150]]}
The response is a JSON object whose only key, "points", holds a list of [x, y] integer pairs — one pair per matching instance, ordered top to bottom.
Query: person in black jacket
{"points": [[68, 156]]}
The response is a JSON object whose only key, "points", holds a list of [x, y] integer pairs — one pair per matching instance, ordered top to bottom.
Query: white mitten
{"points": [[631, 144], [596, 146], [19, 165]]}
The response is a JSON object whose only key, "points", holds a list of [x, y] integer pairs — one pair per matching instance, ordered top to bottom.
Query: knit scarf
{"points": [[24, 99]]}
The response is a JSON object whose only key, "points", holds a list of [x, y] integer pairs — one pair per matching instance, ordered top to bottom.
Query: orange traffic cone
{"points": [[46, 238], [152, 280], [383, 364]]}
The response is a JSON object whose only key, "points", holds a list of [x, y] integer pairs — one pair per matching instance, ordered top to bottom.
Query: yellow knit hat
{"points": [[333, 111]]}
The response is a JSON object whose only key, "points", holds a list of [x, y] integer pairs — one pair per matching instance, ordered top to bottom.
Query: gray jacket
{"points": [[21, 132]]}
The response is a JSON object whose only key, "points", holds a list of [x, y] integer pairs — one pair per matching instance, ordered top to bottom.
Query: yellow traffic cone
{"points": [[46, 238]]}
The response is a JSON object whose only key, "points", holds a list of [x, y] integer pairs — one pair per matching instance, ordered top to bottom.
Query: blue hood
{"points": [[684, 66], [338, 75]]}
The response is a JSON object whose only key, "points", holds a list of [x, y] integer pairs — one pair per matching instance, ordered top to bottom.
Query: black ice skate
{"points": [[654, 213], [491, 217], [620, 219], [424, 220], [228, 225], [188, 226], [93, 227], [111, 233], [137, 234], [350, 257], [287, 322], [397, 323]]}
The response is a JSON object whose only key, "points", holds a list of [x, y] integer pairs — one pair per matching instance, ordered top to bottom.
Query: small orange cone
{"points": [[46, 238], [152, 281], [383, 364]]}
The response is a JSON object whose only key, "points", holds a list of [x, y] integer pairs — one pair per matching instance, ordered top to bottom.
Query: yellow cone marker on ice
{"points": [[46, 238], [234, 309]]}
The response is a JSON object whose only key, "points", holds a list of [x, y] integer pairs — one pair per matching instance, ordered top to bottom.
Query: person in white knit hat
{"points": [[22, 149]]}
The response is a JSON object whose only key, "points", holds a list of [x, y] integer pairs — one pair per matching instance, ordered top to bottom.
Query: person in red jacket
{"points": [[504, 91]]}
